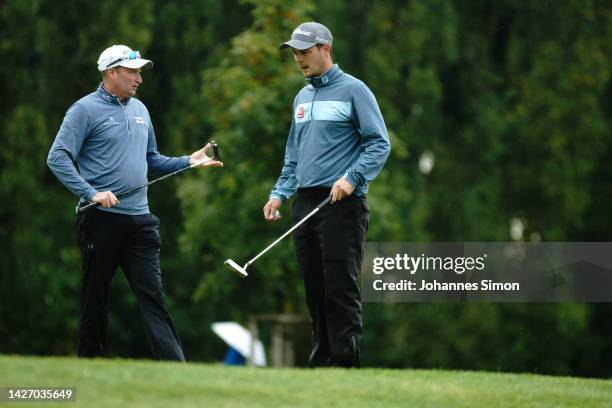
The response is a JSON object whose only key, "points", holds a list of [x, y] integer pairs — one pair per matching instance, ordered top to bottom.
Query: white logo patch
{"points": [[300, 31], [302, 112], [140, 120], [110, 122]]}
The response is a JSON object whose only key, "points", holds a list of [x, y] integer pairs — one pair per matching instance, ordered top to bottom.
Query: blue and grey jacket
{"points": [[337, 131], [114, 146]]}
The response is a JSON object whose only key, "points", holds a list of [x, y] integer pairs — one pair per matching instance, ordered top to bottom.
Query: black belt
{"points": [[313, 191]]}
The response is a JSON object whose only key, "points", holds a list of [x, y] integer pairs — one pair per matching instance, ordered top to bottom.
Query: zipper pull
{"points": [[312, 104]]}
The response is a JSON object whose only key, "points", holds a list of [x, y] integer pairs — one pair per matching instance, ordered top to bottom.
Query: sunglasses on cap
{"points": [[127, 55]]}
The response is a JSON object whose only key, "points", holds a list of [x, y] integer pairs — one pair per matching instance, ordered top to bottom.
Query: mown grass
{"points": [[137, 383]]}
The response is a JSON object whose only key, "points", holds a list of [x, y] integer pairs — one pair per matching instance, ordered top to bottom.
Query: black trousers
{"points": [[108, 240], [329, 250]]}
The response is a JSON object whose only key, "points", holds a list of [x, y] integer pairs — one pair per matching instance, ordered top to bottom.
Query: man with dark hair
{"points": [[109, 134], [337, 143]]}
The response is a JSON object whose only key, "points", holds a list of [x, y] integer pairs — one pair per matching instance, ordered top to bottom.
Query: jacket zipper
{"points": [[312, 104], [127, 121]]}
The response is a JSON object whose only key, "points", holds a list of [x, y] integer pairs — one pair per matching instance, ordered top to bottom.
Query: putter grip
{"points": [[216, 154], [324, 202], [86, 207]]}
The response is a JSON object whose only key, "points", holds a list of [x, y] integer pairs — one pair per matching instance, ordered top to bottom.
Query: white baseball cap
{"points": [[124, 56]]}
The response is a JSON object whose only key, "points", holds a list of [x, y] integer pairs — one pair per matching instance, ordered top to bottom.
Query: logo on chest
{"points": [[302, 112], [110, 121]]}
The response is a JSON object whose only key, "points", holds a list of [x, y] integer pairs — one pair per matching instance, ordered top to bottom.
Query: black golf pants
{"points": [[108, 240], [329, 250]]}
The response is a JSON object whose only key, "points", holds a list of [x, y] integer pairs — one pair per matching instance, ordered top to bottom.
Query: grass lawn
{"points": [[138, 383]]}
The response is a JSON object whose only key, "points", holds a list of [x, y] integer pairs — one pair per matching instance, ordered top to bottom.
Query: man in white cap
{"points": [[109, 134], [337, 143]]}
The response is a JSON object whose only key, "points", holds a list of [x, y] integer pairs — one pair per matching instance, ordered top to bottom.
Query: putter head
{"points": [[234, 267]]}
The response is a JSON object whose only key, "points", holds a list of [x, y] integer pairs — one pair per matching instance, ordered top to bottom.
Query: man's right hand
{"points": [[105, 198], [270, 210]]}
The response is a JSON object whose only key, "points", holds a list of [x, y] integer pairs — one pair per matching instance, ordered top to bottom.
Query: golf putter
{"points": [[241, 270]]}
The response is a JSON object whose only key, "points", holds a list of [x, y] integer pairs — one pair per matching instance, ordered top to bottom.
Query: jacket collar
{"points": [[325, 79], [108, 97]]}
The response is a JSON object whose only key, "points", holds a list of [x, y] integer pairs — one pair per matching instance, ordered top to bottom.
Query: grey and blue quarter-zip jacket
{"points": [[337, 131], [113, 144]]}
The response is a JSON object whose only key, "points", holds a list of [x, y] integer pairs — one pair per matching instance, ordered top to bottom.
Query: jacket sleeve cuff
{"points": [[352, 179], [90, 193], [278, 197]]}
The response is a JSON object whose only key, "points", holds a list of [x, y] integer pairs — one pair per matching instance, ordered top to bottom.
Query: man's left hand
{"points": [[202, 159], [341, 189]]}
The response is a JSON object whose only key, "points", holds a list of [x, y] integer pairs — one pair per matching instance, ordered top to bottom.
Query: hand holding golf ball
{"points": [[270, 210]]}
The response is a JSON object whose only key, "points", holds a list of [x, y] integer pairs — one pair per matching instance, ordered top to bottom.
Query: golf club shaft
{"points": [[125, 193], [323, 203]]}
